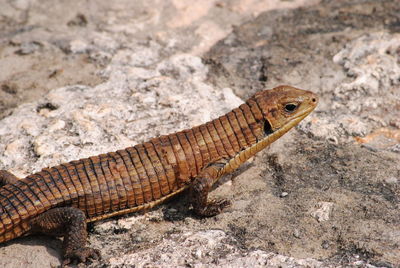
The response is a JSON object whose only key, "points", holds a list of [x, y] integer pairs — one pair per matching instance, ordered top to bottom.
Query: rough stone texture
{"points": [[49, 44], [347, 52], [118, 113], [325, 195], [213, 248]]}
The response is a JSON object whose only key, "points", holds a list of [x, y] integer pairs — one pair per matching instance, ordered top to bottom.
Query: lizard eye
{"points": [[290, 107]]}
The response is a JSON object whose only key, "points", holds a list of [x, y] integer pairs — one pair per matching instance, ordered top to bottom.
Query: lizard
{"points": [[61, 200]]}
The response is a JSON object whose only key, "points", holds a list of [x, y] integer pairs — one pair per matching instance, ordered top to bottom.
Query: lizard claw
{"points": [[213, 208], [81, 255]]}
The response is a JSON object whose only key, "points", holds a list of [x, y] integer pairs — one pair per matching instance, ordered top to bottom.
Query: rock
{"points": [[78, 46], [28, 48], [371, 59], [125, 71], [109, 112], [392, 180], [284, 194], [323, 211], [296, 233], [212, 248], [28, 252]]}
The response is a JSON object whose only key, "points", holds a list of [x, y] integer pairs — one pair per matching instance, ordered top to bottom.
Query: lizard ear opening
{"points": [[267, 128]]}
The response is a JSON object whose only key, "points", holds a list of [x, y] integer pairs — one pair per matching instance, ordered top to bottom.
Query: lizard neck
{"points": [[250, 151]]}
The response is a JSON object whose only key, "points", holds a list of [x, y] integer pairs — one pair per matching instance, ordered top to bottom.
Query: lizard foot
{"points": [[213, 208], [81, 255]]}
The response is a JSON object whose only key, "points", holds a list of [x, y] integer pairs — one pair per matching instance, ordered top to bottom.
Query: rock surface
{"points": [[347, 52], [88, 78]]}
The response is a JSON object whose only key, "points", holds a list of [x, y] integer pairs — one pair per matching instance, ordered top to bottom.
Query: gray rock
{"points": [[122, 72], [323, 211], [211, 248]]}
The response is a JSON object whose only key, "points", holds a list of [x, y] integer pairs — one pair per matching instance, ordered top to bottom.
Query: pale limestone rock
{"points": [[372, 60], [88, 121], [323, 211], [211, 248]]}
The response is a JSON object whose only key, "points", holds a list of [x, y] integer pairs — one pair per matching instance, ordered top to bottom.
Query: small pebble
{"points": [[29, 48], [391, 180], [283, 194], [296, 233], [358, 263]]}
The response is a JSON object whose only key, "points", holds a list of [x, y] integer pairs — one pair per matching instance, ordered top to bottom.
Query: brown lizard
{"points": [[61, 200]]}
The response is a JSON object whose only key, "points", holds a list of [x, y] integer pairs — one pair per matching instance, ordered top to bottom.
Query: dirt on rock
{"points": [[327, 194]]}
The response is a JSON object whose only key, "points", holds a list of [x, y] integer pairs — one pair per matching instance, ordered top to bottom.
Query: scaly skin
{"points": [[60, 200]]}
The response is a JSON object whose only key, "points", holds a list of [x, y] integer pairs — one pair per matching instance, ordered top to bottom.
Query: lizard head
{"points": [[284, 107], [275, 112]]}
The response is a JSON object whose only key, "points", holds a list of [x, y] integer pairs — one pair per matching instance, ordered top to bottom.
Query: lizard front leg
{"points": [[7, 177], [200, 188], [70, 223]]}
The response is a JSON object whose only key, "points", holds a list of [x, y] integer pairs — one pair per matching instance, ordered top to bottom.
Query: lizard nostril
{"points": [[314, 100]]}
